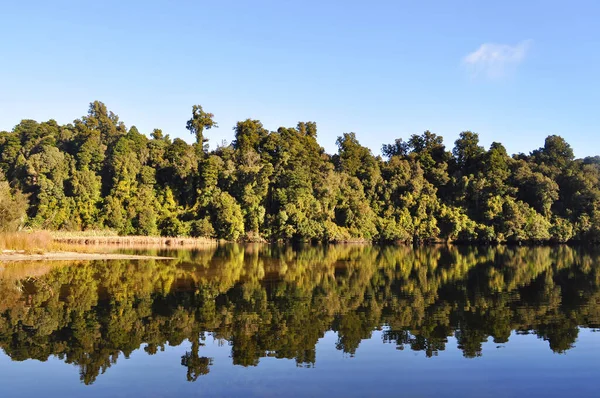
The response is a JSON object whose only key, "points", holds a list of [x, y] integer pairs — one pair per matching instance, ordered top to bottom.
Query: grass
{"points": [[92, 233], [107, 237], [29, 242], [35, 242], [41, 242]]}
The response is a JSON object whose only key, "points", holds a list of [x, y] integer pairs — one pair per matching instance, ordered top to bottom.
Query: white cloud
{"points": [[496, 60]]}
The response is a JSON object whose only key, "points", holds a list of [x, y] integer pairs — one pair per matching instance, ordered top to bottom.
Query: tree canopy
{"points": [[96, 173]]}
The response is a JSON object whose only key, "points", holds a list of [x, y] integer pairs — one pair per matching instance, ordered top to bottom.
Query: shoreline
{"points": [[131, 240], [19, 255]]}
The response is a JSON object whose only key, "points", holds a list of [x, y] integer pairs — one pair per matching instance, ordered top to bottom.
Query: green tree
{"points": [[199, 122], [13, 207], [227, 216]]}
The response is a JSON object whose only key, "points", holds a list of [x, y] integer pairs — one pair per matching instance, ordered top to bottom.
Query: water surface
{"points": [[313, 321]]}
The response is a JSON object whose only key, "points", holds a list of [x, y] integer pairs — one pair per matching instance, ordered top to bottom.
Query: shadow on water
{"points": [[279, 301]]}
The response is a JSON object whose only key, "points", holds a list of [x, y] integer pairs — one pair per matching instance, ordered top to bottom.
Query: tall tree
{"points": [[199, 122]]}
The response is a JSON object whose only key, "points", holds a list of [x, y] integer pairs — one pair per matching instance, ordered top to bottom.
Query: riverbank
{"points": [[83, 239], [90, 245], [21, 255]]}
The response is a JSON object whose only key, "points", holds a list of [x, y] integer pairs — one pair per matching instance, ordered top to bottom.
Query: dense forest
{"points": [[96, 173], [270, 300]]}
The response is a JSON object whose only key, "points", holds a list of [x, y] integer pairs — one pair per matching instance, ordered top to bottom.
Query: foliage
{"points": [[281, 185], [13, 207]]}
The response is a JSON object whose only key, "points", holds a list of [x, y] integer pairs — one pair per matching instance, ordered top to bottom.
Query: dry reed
{"points": [[89, 239], [45, 241], [30, 242]]}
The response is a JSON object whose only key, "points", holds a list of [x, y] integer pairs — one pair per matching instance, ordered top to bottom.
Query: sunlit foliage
{"points": [[281, 185]]}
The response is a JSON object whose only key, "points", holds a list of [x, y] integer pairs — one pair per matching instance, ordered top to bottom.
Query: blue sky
{"points": [[512, 71]]}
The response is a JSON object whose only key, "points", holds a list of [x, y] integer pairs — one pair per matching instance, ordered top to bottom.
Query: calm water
{"points": [[317, 321]]}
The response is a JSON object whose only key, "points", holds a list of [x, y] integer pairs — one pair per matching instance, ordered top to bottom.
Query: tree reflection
{"points": [[276, 301], [196, 365]]}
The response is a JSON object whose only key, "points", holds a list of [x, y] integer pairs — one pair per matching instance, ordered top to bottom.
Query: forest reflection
{"points": [[278, 301]]}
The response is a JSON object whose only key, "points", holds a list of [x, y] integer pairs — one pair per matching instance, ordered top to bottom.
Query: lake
{"points": [[334, 321]]}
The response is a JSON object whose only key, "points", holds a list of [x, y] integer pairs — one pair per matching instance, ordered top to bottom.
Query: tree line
{"points": [[96, 173], [274, 301]]}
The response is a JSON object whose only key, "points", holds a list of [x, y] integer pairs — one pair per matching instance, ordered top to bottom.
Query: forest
{"points": [[98, 174], [273, 301]]}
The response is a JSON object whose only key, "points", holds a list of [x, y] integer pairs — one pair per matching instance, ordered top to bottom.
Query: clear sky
{"points": [[512, 71]]}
